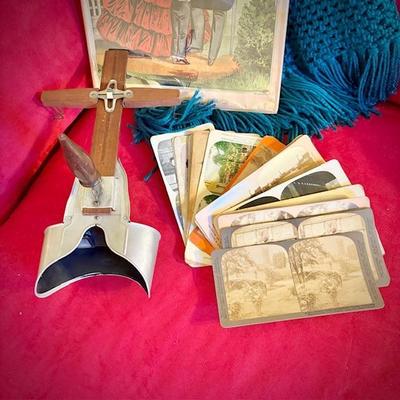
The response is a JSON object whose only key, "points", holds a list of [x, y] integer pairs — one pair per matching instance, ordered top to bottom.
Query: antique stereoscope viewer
{"points": [[96, 236]]}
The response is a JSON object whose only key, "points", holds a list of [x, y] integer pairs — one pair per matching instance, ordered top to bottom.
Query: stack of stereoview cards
{"points": [[288, 235]]}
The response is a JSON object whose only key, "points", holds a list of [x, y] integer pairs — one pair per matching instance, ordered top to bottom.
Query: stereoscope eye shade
{"points": [[92, 257]]}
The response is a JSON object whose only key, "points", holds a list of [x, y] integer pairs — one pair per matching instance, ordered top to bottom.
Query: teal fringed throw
{"points": [[341, 59]]}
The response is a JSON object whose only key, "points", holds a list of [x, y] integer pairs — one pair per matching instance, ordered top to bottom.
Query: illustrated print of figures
{"points": [[143, 26], [161, 28]]}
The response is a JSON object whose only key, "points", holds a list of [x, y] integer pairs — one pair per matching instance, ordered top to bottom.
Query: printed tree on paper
{"points": [[256, 34], [229, 156]]}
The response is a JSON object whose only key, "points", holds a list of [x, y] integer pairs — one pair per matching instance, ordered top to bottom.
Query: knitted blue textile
{"points": [[342, 57]]}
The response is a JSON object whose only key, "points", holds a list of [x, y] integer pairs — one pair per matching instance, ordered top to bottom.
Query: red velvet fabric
{"points": [[42, 47], [102, 338]]}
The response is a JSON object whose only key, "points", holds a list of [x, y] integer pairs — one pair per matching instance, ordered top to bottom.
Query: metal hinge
{"points": [[110, 95]]}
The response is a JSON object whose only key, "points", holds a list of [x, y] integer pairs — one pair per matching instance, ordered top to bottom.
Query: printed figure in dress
{"points": [[143, 26]]}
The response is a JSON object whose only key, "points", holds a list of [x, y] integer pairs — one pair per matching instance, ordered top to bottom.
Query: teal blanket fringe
{"points": [[326, 94], [157, 120]]}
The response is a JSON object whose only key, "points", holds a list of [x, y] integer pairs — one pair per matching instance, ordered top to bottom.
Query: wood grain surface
{"points": [[152, 97], [71, 98], [107, 125]]}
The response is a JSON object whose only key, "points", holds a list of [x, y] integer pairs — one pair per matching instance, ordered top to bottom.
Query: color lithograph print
{"points": [[222, 46]]}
